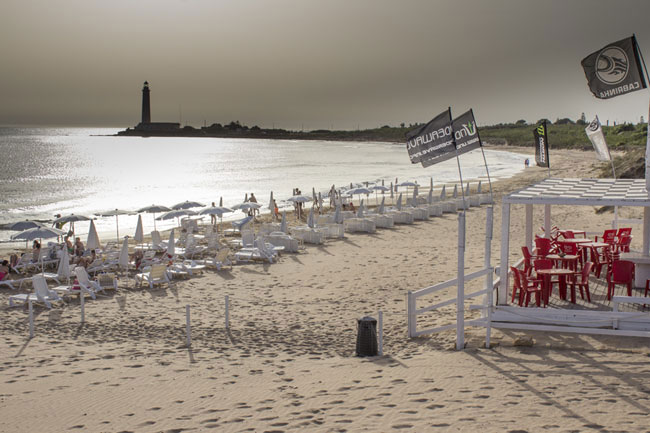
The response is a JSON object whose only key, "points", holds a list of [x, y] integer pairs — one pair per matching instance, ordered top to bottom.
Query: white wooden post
{"points": [[547, 220], [529, 227], [646, 231], [488, 278], [502, 293], [460, 294], [82, 300], [410, 309], [227, 312], [31, 319], [188, 329], [381, 333]]}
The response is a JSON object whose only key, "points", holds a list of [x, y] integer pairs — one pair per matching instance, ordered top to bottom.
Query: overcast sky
{"points": [[311, 64]]}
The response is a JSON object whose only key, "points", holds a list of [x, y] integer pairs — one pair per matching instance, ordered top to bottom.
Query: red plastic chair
{"points": [[624, 231], [568, 234], [609, 236], [623, 244], [544, 246], [571, 249], [528, 258], [598, 262], [622, 272], [581, 279], [516, 286], [528, 287]]}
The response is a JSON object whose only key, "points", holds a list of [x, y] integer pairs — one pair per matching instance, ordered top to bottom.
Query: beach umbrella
{"points": [[431, 183], [407, 184], [377, 188], [416, 189], [467, 189], [478, 189], [359, 191], [391, 193], [443, 193], [313, 194], [455, 195], [245, 197], [430, 198], [299, 199], [414, 200], [220, 201], [320, 201], [399, 202], [271, 203], [187, 205], [247, 206], [381, 206], [153, 209], [216, 210], [360, 210], [116, 213], [176, 214], [72, 218], [338, 218], [310, 219], [283, 224], [22, 225], [38, 233], [139, 233], [92, 243], [171, 247], [123, 259], [63, 271]]}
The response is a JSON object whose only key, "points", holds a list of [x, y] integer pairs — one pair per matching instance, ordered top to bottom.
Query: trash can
{"points": [[367, 336]]}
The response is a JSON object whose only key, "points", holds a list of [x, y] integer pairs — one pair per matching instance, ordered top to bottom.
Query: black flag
{"points": [[614, 70], [465, 136], [432, 141], [541, 146]]}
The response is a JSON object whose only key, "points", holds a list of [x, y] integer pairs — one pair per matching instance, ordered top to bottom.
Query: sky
{"points": [[307, 64]]}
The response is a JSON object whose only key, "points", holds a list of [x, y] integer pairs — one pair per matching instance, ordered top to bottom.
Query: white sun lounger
{"points": [[156, 275], [41, 294]]}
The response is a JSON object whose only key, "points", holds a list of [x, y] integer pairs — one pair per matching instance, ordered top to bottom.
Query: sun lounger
{"points": [[366, 225], [238, 226], [308, 235], [280, 239], [221, 259], [156, 275], [84, 281], [41, 294]]}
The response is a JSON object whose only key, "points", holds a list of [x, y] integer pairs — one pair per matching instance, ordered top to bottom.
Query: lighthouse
{"points": [[146, 109]]}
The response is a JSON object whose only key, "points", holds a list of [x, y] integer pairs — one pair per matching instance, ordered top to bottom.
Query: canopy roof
{"points": [[583, 192]]}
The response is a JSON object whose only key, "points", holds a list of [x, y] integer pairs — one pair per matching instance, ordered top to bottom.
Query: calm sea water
{"points": [[46, 171]]}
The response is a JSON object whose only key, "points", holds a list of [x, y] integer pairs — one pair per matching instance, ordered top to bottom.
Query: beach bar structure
{"points": [[574, 192]]}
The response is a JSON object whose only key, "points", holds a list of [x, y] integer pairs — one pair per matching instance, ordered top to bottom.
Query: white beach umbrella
{"points": [[431, 183], [408, 184], [378, 188], [467, 189], [478, 189], [359, 191], [443, 193], [313, 194], [392, 194], [455, 195], [430, 198], [299, 199], [320, 200], [220, 201], [271, 202], [399, 202], [187, 205], [246, 206], [381, 206], [153, 209], [216, 210], [360, 210], [116, 213], [176, 214], [72, 218], [338, 218], [310, 219], [283, 224], [22, 225], [38, 233], [139, 233], [92, 243], [171, 247], [123, 259], [63, 271]]}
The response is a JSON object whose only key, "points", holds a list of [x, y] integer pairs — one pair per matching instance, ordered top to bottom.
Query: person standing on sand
{"points": [[253, 200], [213, 217]]}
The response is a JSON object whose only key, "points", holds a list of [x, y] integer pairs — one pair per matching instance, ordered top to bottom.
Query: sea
{"points": [[49, 171]]}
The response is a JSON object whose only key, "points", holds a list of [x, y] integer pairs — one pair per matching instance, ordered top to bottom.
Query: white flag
{"points": [[595, 134]]}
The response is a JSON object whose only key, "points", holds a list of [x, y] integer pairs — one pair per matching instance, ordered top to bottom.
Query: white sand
{"points": [[287, 363]]}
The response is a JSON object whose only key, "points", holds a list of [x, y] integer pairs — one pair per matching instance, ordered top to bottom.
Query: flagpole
{"points": [[647, 145], [484, 159], [548, 159], [460, 174]]}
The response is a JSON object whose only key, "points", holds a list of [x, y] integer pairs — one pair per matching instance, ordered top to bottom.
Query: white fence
{"points": [[460, 298]]}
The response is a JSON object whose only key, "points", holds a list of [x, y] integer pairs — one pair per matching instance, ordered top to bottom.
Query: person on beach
{"points": [[527, 162], [253, 199], [352, 207], [276, 210], [213, 217], [68, 245], [78, 247], [36, 251], [4, 270]]}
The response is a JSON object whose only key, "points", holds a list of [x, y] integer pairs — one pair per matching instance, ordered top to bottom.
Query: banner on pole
{"points": [[614, 70], [595, 133], [466, 137], [433, 141], [541, 146]]}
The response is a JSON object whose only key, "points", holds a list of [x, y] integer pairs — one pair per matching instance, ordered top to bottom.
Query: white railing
{"points": [[460, 298]]}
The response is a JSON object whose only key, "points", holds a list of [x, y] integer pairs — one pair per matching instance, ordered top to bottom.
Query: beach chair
{"points": [[238, 226], [280, 239], [157, 243], [221, 259], [24, 264], [156, 275], [107, 281], [10, 283], [86, 284], [41, 294]]}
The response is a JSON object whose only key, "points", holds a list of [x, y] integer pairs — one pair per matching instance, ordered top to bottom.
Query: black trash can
{"points": [[367, 336]]}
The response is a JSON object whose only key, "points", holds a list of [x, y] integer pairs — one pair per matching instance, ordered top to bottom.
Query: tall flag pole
{"points": [[616, 70], [595, 134], [647, 143], [541, 146], [487, 170], [460, 173]]}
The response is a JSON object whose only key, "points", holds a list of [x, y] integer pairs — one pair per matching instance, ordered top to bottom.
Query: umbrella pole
{"points": [[154, 221], [117, 224]]}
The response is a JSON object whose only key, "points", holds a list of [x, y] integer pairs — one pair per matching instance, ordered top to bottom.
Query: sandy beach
{"points": [[287, 362]]}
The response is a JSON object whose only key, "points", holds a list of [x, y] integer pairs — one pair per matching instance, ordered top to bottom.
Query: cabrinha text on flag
{"points": [[615, 69], [595, 133], [466, 137], [431, 141], [541, 146]]}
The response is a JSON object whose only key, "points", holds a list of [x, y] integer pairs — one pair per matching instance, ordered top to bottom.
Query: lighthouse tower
{"points": [[146, 109]]}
